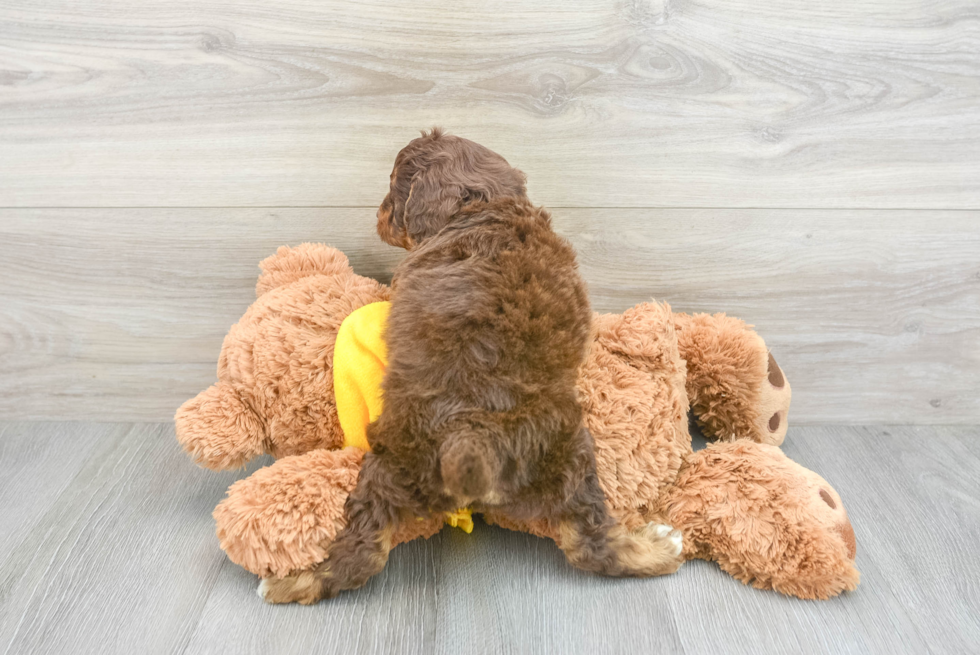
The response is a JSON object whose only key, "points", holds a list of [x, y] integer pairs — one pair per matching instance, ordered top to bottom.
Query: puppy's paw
{"points": [[662, 531], [653, 549], [305, 588]]}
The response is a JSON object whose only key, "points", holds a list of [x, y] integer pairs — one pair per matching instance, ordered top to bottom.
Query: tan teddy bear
{"points": [[740, 501]]}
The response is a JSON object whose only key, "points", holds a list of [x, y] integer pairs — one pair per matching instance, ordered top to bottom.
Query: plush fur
{"points": [[435, 176], [275, 389], [733, 501], [743, 502]]}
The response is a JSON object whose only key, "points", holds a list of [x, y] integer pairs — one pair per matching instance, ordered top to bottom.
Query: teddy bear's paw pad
{"points": [[776, 377], [774, 398]]}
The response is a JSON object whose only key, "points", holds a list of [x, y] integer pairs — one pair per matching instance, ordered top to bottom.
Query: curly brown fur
{"points": [[435, 176], [488, 327]]}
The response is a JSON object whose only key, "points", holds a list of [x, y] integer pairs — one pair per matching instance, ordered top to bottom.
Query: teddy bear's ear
{"points": [[291, 264]]}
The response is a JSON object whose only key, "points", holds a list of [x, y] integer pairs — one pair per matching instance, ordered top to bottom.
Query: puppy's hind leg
{"points": [[592, 541], [359, 552]]}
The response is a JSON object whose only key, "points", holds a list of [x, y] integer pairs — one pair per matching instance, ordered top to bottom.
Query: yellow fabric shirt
{"points": [[360, 357]]}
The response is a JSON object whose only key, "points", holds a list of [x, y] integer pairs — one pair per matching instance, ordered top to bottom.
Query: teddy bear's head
{"points": [[275, 382]]}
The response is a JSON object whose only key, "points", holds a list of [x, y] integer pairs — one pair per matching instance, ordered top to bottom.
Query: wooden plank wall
{"points": [[814, 169]]}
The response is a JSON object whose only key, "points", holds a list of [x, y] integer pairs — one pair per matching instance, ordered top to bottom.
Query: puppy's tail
{"points": [[468, 464]]}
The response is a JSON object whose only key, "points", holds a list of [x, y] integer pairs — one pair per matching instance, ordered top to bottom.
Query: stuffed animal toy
{"points": [[299, 379]]}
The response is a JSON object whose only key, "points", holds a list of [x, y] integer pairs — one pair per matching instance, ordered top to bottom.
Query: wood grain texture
{"points": [[668, 103], [874, 315], [118, 539], [116, 553]]}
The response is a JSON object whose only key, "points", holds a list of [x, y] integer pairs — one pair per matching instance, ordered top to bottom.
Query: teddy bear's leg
{"points": [[291, 264], [734, 384], [219, 429], [374, 509], [283, 517], [765, 519], [281, 521], [589, 537]]}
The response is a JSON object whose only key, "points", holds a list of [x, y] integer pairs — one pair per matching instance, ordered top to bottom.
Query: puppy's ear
{"points": [[461, 173], [432, 200]]}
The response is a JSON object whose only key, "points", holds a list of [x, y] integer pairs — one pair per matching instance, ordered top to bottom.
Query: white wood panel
{"points": [[871, 103], [874, 315]]}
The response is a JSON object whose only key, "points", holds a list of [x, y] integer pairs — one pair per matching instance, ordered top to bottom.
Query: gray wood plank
{"points": [[746, 103], [874, 315], [36, 470], [913, 495], [123, 558], [394, 613]]}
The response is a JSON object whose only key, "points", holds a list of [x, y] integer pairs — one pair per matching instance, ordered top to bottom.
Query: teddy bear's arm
{"points": [[735, 387], [219, 429]]}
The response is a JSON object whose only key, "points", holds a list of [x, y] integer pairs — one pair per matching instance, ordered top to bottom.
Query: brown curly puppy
{"points": [[488, 326]]}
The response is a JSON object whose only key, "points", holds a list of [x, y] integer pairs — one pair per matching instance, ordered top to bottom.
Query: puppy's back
{"points": [[495, 296], [488, 326]]}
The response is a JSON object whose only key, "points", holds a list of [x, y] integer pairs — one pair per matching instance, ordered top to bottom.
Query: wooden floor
{"points": [[108, 546]]}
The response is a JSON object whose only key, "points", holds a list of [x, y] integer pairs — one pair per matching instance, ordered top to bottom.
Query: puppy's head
{"points": [[434, 176]]}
